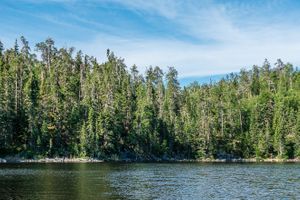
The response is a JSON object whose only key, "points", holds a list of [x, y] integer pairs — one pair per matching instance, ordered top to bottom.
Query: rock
{"points": [[2, 160]]}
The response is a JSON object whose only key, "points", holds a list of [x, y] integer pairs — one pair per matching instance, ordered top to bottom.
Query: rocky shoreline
{"points": [[50, 160], [92, 160]]}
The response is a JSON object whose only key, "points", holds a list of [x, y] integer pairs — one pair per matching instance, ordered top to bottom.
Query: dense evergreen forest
{"points": [[69, 104]]}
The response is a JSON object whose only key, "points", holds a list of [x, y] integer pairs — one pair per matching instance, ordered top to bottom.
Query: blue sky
{"points": [[199, 38]]}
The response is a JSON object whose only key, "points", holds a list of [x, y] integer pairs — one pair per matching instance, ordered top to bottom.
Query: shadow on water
{"points": [[55, 181], [150, 181]]}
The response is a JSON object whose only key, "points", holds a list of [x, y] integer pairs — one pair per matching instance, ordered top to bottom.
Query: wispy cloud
{"points": [[197, 37], [233, 43], [191, 59]]}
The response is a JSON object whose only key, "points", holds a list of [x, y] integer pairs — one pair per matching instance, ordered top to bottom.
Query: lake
{"points": [[150, 181]]}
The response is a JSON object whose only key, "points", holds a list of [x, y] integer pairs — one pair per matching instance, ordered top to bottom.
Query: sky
{"points": [[200, 38]]}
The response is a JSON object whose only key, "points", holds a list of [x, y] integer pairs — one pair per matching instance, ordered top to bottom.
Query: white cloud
{"points": [[223, 38], [233, 45], [191, 59]]}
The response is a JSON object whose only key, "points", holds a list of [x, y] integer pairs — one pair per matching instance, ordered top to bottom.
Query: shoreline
{"points": [[93, 160]]}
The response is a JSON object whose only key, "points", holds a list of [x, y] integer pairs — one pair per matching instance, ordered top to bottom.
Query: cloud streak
{"points": [[198, 38], [232, 43]]}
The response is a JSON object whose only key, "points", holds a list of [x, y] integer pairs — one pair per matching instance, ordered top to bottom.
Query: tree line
{"points": [[66, 103]]}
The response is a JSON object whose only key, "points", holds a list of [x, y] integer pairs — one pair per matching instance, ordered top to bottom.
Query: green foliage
{"points": [[72, 105]]}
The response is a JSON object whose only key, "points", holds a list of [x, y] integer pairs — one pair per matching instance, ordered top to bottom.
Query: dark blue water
{"points": [[149, 181]]}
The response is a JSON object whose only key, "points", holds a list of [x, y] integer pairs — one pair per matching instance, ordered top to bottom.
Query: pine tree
{"points": [[72, 105]]}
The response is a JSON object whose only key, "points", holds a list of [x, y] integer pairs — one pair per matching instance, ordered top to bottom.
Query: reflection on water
{"points": [[149, 181]]}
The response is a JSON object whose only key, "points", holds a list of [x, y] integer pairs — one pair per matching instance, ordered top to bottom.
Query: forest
{"points": [[58, 102]]}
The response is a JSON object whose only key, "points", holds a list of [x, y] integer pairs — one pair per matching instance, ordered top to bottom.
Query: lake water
{"points": [[149, 181]]}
